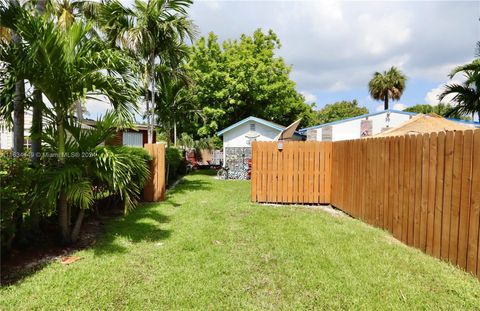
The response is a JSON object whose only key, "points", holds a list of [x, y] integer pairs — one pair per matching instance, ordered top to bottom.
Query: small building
{"points": [[371, 124], [136, 137], [237, 139]]}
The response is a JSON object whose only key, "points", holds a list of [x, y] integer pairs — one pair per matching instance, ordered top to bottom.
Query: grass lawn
{"points": [[208, 247]]}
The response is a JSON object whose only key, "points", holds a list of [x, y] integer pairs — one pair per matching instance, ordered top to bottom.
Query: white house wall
{"points": [[351, 129], [6, 131], [236, 136]]}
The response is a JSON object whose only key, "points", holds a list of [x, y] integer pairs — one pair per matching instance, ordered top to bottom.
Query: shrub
{"points": [[176, 164], [17, 182]]}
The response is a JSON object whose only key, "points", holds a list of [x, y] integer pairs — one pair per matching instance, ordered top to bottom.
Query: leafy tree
{"points": [[244, 78], [387, 85], [467, 94], [441, 109], [339, 111]]}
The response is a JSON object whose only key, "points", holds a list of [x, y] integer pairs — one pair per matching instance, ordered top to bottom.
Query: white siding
{"points": [[351, 129], [6, 132], [236, 137], [132, 139]]}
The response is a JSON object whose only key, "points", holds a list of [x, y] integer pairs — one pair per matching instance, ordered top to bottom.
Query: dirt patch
{"points": [[24, 261]]}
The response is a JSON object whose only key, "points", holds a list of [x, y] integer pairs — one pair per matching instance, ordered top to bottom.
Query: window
{"points": [[252, 127], [132, 139]]}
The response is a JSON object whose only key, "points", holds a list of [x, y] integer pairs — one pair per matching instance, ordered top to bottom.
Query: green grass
{"points": [[208, 247]]}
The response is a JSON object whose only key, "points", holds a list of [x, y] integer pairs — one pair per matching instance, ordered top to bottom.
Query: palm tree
{"points": [[152, 30], [66, 65], [387, 85], [467, 94], [175, 98], [37, 119], [98, 172]]}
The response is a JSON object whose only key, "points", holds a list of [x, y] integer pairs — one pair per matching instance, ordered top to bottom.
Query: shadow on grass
{"points": [[142, 224]]}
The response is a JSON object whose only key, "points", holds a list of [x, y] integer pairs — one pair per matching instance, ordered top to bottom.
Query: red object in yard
{"points": [[192, 158], [249, 168]]}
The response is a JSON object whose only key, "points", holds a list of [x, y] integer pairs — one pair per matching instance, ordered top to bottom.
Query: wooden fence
{"points": [[298, 172], [154, 189], [424, 189]]}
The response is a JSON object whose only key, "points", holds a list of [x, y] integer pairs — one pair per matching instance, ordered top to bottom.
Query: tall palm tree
{"points": [[150, 29], [66, 66], [387, 85], [18, 101], [37, 119]]}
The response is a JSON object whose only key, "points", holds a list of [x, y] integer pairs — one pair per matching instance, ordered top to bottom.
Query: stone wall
{"points": [[236, 158]]}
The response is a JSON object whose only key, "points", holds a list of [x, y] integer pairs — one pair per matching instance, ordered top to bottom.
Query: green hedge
{"points": [[176, 163], [18, 214]]}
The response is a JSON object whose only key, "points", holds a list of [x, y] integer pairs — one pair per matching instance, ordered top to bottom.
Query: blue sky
{"points": [[334, 47]]}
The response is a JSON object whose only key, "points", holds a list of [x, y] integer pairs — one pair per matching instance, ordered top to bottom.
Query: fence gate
{"points": [[291, 172]]}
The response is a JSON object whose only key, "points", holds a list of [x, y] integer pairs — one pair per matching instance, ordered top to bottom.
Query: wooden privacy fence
{"points": [[298, 172], [154, 189], [424, 189]]}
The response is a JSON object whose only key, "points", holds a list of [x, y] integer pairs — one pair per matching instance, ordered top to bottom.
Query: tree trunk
{"points": [[147, 102], [386, 102], [152, 105], [79, 108], [19, 117], [36, 130], [175, 133], [62, 202], [78, 225]]}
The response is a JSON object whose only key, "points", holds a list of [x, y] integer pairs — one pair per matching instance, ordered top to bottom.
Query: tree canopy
{"points": [[242, 78], [388, 85], [440, 109], [339, 111]]}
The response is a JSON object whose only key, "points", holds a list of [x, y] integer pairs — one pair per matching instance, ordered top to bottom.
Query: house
{"points": [[363, 126], [6, 132], [137, 137], [237, 139]]}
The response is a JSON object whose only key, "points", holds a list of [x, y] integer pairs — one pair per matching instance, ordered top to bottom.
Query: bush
{"points": [[176, 163], [125, 171], [17, 211]]}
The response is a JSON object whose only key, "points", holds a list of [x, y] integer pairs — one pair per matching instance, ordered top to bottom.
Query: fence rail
{"points": [[299, 172], [154, 189], [424, 189]]}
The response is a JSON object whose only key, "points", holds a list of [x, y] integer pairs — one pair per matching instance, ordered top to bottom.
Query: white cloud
{"points": [[346, 41], [309, 97], [431, 97], [399, 106], [379, 107], [96, 108]]}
